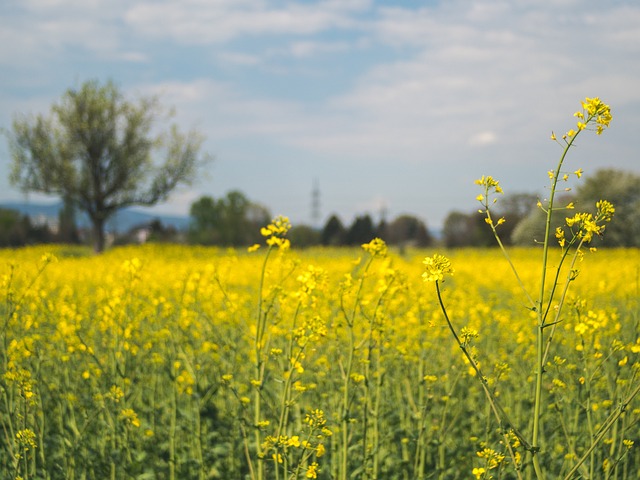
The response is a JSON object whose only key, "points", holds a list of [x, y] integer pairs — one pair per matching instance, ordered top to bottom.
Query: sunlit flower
{"points": [[276, 231], [560, 236], [376, 247], [436, 267], [130, 417], [26, 438], [312, 470], [478, 472]]}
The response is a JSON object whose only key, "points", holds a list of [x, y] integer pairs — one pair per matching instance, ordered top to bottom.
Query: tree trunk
{"points": [[98, 234]]}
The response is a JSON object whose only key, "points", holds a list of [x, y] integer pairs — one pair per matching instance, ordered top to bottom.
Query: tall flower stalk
{"points": [[577, 232], [274, 234], [376, 249]]}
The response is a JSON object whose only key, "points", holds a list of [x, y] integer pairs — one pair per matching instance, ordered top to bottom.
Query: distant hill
{"points": [[123, 221]]}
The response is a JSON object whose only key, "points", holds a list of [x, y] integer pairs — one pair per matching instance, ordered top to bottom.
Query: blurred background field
{"points": [[142, 363]]}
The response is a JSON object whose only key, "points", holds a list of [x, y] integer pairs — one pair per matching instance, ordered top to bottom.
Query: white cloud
{"points": [[39, 6], [204, 22], [621, 25], [40, 32], [309, 48], [134, 57], [238, 58], [480, 74], [468, 79], [224, 113], [482, 139]]}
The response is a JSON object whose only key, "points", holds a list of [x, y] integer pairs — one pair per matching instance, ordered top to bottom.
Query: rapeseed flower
{"points": [[489, 183], [586, 225], [275, 233], [376, 247], [436, 267], [130, 417], [26, 438], [293, 441], [312, 470], [478, 472]]}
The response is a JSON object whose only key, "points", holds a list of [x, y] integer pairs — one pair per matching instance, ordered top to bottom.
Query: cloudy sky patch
{"points": [[401, 103]]}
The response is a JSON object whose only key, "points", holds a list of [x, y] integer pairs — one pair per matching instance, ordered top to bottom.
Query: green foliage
{"points": [[96, 150], [620, 187], [623, 190], [229, 221], [13, 228], [17, 230], [404, 230], [407, 230], [466, 230], [471, 230], [530, 230], [360, 231], [333, 232], [304, 236]]}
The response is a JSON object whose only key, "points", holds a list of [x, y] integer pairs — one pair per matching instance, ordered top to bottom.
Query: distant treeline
{"points": [[235, 221], [18, 230]]}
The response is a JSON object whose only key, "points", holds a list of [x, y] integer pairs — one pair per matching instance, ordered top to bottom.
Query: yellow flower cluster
{"points": [[594, 111], [490, 183], [491, 186], [586, 225], [276, 231], [376, 247], [436, 267], [130, 417], [26, 438], [492, 458]]}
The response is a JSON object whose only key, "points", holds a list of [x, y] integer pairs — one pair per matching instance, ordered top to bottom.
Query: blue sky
{"points": [[387, 105]]}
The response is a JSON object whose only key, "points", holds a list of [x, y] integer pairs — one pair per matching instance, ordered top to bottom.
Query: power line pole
{"points": [[315, 204], [383, 212]]}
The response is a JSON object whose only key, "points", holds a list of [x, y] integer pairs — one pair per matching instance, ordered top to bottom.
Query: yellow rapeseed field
{"points": [[186, 362]]}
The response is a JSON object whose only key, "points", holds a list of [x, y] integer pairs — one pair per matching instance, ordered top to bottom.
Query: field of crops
{"points": [[177, 362]]}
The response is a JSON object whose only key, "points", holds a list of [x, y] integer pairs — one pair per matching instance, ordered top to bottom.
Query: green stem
{"points": [[507, 256], [542, 313], [350, 318], [261, 322], [372, 348], [286, 393], [537, 402], [345, 405], [501, 416], [376, 418], [172, 430], [604, 430], [198, 440], [418, 462]]}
